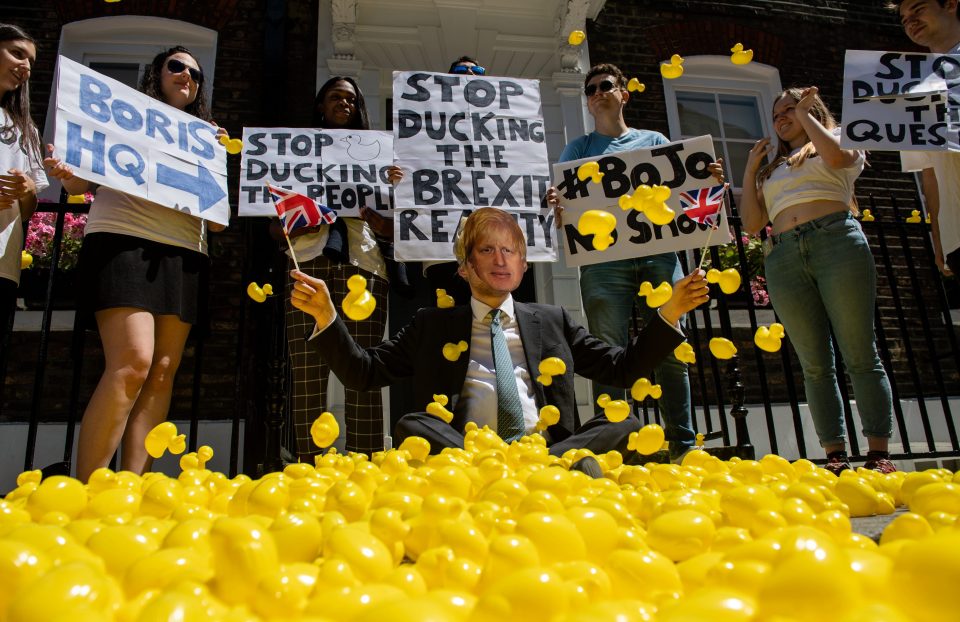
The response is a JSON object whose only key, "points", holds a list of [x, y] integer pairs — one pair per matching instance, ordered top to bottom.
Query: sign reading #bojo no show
{"points": [[116, 136], [466, 142], [680, 166], [342, 169]]}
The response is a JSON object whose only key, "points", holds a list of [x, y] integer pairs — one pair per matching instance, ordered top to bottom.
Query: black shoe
{"points": [[589, 466]]}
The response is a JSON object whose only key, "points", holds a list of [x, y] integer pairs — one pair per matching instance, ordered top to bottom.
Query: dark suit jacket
{"points": [[416, 352]]}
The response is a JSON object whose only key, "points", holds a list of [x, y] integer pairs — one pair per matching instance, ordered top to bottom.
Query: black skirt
{"points": [[127, 271]]}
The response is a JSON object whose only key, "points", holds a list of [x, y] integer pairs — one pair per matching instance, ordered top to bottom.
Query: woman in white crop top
{"points": [[143, 268], [820, 271]]}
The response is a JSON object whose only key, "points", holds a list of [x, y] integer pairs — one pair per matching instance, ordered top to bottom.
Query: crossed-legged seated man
{"points": [[493, 382]]}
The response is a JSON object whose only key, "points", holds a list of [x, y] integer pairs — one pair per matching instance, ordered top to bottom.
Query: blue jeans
{"points": [[822, 274], [609, 292]]}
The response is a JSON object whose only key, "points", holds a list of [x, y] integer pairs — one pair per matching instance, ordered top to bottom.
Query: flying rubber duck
{"points": [[576, 37], [739, 55], [673, 69], [636, 85], [233, 145], [591, 171], [77, 198], [650, 201], [867, 216], [914, 217], [600, 225], [26, 260], [728, 279], [257, 293], [656, 296], [444, 300], [358, 304], [769, 339], [722, 348], [452, 351], [685, 354], [550, 367], [643, 388], [438, 409], [614, 410], [549, 415], [324, 430], [164, 437], [647, 440], [196, 459]]}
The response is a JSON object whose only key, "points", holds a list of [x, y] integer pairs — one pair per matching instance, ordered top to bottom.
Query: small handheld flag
{"points": [[704, 204], [296, 210]]}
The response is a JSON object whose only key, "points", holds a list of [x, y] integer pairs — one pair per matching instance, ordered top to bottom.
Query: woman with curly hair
{"points": [[144, 269]]}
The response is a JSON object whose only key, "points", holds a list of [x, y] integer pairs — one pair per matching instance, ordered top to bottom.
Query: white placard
{"points": [[116, 136], [342, 169]]}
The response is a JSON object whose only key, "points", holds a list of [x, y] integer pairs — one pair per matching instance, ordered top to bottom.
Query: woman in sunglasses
{"points": [[143, 269], [820, 271]]}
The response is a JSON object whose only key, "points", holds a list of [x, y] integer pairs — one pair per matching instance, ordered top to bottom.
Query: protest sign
{"points": [[901, 101], [115, 136], [680, 166], [342, 169], [427, 234]]}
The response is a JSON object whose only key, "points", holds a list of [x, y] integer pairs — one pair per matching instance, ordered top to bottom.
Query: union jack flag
{"points": [[703, 205], [296, 210]]}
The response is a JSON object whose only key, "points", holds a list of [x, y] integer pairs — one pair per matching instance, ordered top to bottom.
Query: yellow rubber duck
{"points": [[576, 37], [739, 55], [673, 69], [635, 85], [233, 145], [591, 171], [76, 198], [650, 201], [867, 216], [914, 217], [926, 219], [600, 225], [26, 260], [728, 279], [257, 293], [656, 296], [445, 300], [358, 304], [769, 339], [722, 348], [452, 351], [685, 354], [550, 367], [643, 388], [438, 409], [614, 410], [549, 415], [325, 430], [164, 437], [647, 440], [698, 443], [417, 447], [196, 459]]}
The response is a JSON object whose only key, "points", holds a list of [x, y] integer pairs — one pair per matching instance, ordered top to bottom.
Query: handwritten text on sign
{"points": [[901, 101], [115, 136], [469, 141], [681, 166], [342, 169]]}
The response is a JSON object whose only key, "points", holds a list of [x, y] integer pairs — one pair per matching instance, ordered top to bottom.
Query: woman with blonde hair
{"points": [[820, 271]]}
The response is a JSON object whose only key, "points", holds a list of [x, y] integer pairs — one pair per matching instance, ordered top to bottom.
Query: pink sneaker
{"points": [[880, 463]]}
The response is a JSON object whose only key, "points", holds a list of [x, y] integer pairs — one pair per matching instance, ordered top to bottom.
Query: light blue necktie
{"points": [[509, 412]]}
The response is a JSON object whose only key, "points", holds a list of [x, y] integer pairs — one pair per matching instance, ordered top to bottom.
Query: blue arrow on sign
{"points": [[204, 185]]}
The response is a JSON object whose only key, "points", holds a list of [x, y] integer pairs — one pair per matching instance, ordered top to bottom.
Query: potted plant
{"points": [[39, 243]]}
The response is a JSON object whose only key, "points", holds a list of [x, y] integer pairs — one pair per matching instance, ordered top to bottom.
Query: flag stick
{"points": [[293, 255]]}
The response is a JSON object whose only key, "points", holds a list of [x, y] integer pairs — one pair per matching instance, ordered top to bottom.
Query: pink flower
{"points": [[40, 232]]}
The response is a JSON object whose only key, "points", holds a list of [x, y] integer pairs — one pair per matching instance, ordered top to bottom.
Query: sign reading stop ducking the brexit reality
{"points": [[901, 101], [116, 136], [466, 142], [680, 166], [342, 169]]}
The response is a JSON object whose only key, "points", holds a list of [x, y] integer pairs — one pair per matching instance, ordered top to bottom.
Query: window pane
{"points": [[128, 73], [697, 113], [741, 116], [738, 153]]}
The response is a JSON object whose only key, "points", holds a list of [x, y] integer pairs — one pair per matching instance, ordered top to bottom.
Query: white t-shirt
{"points": [[118, 212], [11, 230]]}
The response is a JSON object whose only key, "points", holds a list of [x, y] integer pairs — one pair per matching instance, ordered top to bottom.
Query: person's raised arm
{"points": [[827, 144], [753, 210]]}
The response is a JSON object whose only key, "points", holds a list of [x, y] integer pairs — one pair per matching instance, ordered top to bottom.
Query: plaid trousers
{"points": [[363, 409]]}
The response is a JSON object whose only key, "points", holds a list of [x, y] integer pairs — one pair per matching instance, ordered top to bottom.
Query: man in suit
{"points": [[491, 252]]}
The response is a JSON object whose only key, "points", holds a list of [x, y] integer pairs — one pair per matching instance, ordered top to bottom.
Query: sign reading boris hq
{"points": [[901, 101], [116, 136], [466, 142], [680, 166], [342, 169]]}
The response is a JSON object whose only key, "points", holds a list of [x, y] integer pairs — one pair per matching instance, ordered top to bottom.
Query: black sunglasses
{"points": [[177, 66], [476, 70], [605, 86]]}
